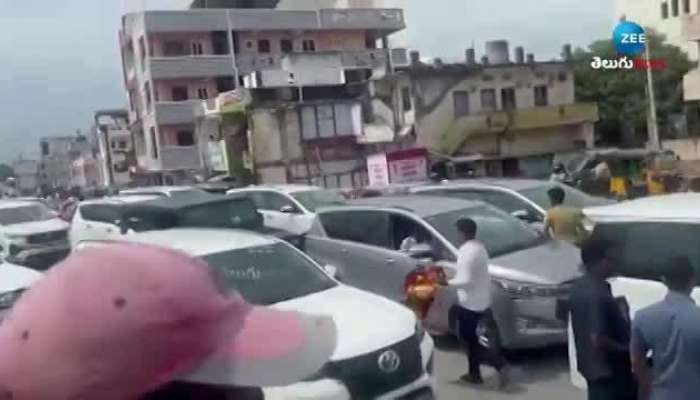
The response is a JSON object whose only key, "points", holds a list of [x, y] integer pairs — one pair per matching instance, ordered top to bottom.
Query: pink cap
{"points": [[115, 322]]}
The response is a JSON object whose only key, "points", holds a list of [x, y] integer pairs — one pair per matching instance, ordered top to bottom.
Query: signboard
{"points": [[217, 156], [377, 170], [409, 170]]}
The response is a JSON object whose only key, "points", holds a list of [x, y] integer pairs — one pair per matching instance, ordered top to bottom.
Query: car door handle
{"points": [[390, 261]]}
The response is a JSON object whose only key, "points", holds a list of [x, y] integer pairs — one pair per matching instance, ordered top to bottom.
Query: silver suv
{"points": [[366, 242]]}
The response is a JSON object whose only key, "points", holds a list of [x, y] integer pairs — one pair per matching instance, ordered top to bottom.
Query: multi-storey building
{"points": [[664, 16], [317, 63], [498, 116], [114, 147], [57, 156], [26, 172]]}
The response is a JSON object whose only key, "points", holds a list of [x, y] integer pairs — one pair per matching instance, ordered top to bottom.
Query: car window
{"points": [[315, 199], [268, 201], [505, 201], [107, 213], [23, 214], [361, 226], [406, 231], [500, 232], [647, 247], [267, 275]]}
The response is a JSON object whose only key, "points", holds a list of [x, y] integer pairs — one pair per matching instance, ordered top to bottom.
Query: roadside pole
{"points": [[653, 126]]}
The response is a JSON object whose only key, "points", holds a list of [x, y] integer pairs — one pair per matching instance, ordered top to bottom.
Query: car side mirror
{"points": [[287, 209], [526, 216], [420, 250], [331, 270]]}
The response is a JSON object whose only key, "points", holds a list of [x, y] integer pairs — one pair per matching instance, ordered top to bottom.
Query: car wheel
{"points": [[488, 333]]}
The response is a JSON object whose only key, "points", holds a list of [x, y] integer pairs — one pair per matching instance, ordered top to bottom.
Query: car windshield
{"points": [[574, 197], [315, 199], [25, 213], [501, 233], [270, 274]]}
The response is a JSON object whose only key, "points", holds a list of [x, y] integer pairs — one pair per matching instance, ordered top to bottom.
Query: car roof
{"points": [[505, 183], [291, 188], [157, 189], [121, 200], [167, 203], [4, 204], [422, 206], [678, 207], [201, 242]]}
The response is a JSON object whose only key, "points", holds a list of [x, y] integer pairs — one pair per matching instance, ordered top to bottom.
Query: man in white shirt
{"points": [[473, 285]]}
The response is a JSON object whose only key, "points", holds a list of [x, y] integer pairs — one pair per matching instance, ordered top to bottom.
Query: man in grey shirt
{"points": [[670, 331]]}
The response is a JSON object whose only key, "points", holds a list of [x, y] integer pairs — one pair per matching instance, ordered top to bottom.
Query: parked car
{"points": [[164, 191], [526, 199], [289, 207], [111, 218], [102, 219], [27, 225], [650, 231], [531, 273], [14, 280], [382, 352]]}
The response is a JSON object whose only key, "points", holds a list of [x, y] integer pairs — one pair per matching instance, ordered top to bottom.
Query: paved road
{"points": [[537, 375]]}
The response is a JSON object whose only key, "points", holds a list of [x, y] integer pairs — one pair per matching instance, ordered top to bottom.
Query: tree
{"points": [[621, 94], [6, 172]]}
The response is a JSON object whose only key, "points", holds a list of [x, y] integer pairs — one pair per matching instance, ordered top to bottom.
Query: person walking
{"points": [[564, 222], [473, 285], [601, 328], [670, 330]]}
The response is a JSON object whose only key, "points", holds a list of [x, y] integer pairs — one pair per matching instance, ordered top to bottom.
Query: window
{"points": [[686, 6], [674, 8], [664, 10], [286, 45], [308, 45], [263, 46], [174, 48], [197, 48], [142, 52], [147, 90], [180, 93], [202, 93], [541, 96], [406, 98], [508, 98], [460, 99], [488, 99], [185, 138], [154, 143], [113, 144], [122, 144], [44, 149], [315, 199], [271, 201], [506, 202], [106, 213], [368, 227], [406, 231], [642, 257]]}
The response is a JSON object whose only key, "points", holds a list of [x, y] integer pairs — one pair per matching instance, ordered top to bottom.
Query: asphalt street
{"points": [[539, 374]]}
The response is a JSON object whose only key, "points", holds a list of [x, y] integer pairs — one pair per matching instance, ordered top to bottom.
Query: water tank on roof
{"points": [[497, 51]]}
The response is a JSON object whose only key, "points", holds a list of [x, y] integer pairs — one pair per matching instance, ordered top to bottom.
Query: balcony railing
{"points": [[379, 19], [190, 66], [176, 112], [515, 120], [180, 157]]}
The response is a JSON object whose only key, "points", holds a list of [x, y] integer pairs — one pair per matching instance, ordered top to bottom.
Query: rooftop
{"points": [[422, 206], [678, 207], [201, 242]]}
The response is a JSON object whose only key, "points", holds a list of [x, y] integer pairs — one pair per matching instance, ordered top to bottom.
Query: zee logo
{"points": [[629, 38]]}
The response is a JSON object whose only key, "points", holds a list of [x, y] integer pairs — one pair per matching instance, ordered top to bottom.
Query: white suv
{"points": [[289, 207], [29, 225], [651, 231], [382, 351]]}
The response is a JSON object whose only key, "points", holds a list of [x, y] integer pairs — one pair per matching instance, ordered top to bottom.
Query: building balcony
{"points": [[376, 19], [691, 27], [190, 66], [691, 85], [176, 112], [519, 120], [180, 158]]}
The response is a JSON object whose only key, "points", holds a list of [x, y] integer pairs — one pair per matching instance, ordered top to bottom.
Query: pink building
{"points": [[173, 60]]}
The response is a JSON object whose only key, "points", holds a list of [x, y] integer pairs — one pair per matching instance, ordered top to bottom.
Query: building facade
{"points": [[664, 16], [308, 70], [499, 117], [57, 156], [115, 157], [27, 173]]}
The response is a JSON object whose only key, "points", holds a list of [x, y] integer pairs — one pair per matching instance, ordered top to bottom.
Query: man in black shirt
{"points": [[601, 327]]}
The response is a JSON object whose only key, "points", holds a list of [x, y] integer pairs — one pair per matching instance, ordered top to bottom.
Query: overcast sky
{"points": [[61, 60]]}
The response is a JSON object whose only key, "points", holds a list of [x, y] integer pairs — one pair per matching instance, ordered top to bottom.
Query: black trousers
{"points": [[466, 323], [617, 388]]}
